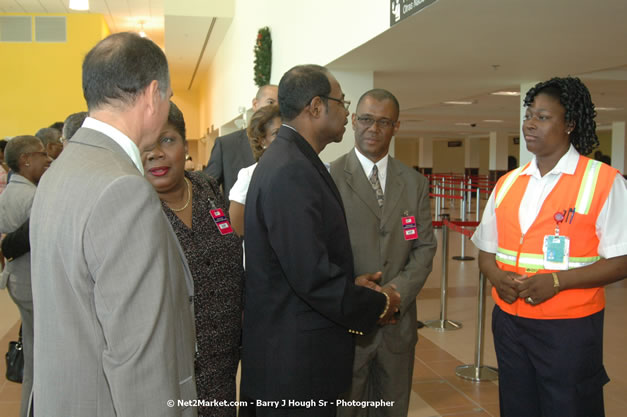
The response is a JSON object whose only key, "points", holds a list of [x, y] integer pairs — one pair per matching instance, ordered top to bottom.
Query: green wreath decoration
{"points": [[263, 57]]}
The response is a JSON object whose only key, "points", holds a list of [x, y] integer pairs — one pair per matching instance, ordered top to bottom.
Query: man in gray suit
{"points": [[232, 152], [389, 221], [114, 331]]}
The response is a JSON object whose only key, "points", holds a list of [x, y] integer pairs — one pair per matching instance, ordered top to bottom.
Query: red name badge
{"points": [[221, 221], [409, 228]]}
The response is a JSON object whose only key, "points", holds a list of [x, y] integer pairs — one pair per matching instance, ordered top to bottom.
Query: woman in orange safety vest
{"points": [[553, 234]]}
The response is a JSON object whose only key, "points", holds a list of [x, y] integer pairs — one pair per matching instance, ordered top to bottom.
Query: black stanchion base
{"points": [[463, 258], [477, 373]]}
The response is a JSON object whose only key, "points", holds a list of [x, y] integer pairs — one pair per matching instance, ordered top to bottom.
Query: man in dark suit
{"points": [[232, 152], [389, 220], [303, 308]]}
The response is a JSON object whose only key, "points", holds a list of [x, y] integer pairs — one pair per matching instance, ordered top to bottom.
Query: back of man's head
{"points": [[118, 69], [298, 86], [73, 122], [48, 135]]}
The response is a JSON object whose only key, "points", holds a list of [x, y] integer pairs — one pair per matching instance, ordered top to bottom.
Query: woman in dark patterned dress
{"points": [[215, 261]]}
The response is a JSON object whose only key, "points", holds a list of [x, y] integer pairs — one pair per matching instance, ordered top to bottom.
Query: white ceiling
{"points": [[466, 49], [453, 50]]}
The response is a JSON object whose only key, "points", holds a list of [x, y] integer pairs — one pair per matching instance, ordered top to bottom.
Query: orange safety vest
{"points": [[586, 191]]}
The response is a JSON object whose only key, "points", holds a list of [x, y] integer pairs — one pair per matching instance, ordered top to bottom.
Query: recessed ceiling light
{"points": [[79, 4], [506, 93], [460, 102], [608, 108], [493, 121], [464, 124]]}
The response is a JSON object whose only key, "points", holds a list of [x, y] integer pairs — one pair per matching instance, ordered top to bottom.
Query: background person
{"points": [[72, 123], [262, 129], [51, 138], [232, 152], [26, 156], [549, 242], [215, 261], [112, 290], [384, 359]]}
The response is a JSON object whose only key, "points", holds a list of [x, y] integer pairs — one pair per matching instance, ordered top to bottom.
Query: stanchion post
{"points": [[478, 194], [469, 195], [463, 256], [443, 324], [478, 372]]}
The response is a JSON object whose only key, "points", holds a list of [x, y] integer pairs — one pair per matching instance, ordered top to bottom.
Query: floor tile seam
{"points": [[451, 385]]}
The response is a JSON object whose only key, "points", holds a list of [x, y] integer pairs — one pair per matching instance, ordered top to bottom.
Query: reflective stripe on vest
{"points": [[509, 181], [586, 189], [534, 261]]}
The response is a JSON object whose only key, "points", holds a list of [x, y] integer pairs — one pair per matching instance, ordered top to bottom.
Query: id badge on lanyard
{"points": [[556, 248]]}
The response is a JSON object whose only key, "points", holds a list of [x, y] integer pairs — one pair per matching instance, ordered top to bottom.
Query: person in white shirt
{"points": [[263, 128], [553, 234]]}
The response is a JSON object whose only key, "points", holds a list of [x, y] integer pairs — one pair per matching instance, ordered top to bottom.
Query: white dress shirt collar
{"points": [[118, 137], [367, 164], [567, 165]]}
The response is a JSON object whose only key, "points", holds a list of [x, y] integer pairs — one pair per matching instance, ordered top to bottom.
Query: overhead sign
{"points": [[400, 9]]}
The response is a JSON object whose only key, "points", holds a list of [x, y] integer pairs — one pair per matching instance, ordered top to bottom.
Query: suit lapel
{"points": [[357, 181], [393, 190]]}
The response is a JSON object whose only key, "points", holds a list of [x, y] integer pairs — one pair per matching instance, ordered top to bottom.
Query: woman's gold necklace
{"points": [[189, 196]]}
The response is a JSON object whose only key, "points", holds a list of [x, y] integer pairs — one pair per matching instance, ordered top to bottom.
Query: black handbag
{"points": [[15, 360]]}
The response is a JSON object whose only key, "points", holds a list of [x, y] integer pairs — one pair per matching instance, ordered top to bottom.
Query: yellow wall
{"points": [[41, 82]]}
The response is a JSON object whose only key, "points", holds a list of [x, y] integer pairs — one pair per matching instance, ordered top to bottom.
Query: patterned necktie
{"points": [[376, 185]]}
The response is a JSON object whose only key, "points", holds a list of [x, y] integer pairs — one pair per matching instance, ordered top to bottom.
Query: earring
{"points": [[568, 132]]}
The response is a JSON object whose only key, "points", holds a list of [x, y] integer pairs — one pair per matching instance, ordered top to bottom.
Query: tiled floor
{"points": [[437, 391]]}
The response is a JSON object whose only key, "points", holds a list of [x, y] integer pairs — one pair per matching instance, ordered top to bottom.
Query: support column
{"points": [[354, 84], [619, 151], [425, 155], [498, 155], [471, 156], [525, 156]]}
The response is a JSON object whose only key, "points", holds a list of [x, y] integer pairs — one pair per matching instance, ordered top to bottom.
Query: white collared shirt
{"points": [[118, 137], [367, 164], [611, 225]]}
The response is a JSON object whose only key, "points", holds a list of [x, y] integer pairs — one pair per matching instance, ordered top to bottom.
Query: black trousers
{"points": [[549, 368]]}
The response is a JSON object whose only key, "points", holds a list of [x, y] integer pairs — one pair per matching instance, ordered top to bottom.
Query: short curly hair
{"points": [[574, 96], [258, 128]]}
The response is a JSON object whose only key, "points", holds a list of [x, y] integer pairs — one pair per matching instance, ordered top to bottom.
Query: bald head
{"points": [[266, 95]]}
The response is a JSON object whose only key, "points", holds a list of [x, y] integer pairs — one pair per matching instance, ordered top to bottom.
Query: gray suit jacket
{"points": [[230, 153], [15, 204], [378, 242], [114, 322]]}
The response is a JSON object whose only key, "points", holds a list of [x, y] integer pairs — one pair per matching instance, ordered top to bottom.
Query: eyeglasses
{"points": [[345, 103], [367, 121]]}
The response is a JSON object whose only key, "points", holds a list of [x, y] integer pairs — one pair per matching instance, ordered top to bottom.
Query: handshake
{"points": [[393, 298]]}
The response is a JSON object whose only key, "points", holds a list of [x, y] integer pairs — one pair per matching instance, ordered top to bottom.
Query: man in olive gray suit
{"points": [[389, 221], [114, 330]]}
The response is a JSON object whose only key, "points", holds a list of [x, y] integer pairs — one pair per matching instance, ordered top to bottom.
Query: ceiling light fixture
{"points": [[79, 4], [141, 29], [506, 93], [460, 102], [608, 108], [493, 121], [464, 124]]}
